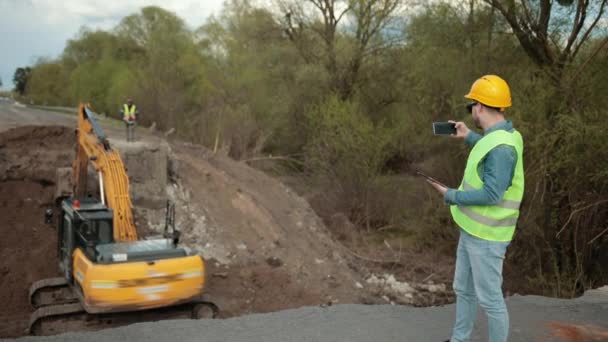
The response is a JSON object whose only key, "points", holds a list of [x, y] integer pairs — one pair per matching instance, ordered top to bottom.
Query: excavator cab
{"points": [[92, 221], [84, 224], [87, 224]]}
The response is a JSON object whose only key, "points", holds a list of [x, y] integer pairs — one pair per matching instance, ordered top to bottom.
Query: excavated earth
{"points": [[29, 157], [264, 247]]}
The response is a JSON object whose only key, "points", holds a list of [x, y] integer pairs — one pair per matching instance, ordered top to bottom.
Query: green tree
{"points": [[93, 46], [100, 65], [252, 66], [169, 75], [20, 79], [95, 82], [47, 83], [346, 152]]}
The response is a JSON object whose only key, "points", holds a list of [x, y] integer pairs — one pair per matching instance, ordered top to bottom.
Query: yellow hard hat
{"points": [[491, 91]]}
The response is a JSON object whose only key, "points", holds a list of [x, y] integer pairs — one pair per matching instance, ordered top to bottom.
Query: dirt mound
{"points": [[26, 136], [29, 157], [265, 247]]}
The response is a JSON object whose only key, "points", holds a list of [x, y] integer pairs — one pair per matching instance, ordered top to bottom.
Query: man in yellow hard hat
{"points": [[485, 207]]}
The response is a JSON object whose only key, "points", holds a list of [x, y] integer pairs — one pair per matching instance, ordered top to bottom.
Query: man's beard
{"points": [[476, 120]]}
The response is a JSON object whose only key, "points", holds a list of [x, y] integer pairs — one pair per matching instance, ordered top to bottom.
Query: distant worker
{"points": [[129, 114], [486, 208]]}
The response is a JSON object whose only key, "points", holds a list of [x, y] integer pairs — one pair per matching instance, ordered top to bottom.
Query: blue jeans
{"points": [[478, 279]]}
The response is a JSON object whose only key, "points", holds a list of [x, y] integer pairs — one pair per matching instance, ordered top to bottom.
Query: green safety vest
{"points": [[128, 112], [492, 222]]}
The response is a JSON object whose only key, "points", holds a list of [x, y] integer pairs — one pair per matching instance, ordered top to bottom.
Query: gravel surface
{"points": [[533, 318]]}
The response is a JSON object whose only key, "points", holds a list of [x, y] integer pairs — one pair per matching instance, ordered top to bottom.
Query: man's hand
{"points": [[461, 129], [440, 188]]}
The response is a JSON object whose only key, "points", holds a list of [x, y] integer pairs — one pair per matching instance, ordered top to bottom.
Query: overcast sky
{"points": [[40, 28]]}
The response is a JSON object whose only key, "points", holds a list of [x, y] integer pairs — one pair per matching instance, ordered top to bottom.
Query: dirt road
{"points": [[13, 115]]}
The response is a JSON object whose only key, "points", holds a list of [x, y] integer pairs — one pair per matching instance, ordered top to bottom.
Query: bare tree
{"points": [[312, 21], [542, 38]]}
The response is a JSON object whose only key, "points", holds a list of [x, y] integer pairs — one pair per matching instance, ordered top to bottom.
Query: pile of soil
{"points": [[266, 249]]}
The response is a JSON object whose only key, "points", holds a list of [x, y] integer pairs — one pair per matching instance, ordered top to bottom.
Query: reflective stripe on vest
{"points": [[128, 112], [504, 203], [493, 222]]}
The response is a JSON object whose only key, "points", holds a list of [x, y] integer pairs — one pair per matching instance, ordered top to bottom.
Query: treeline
{"points": [[345, 92]]}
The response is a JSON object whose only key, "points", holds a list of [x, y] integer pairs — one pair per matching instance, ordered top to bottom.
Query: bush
{"points": [[346, 152], [560, 241]]}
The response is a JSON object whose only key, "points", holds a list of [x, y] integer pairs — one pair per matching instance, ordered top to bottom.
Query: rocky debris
{"points": [[394, 291]]}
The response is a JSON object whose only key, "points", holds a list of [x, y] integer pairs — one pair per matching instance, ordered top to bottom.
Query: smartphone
{"points": [[444, 128], [430, 178]]}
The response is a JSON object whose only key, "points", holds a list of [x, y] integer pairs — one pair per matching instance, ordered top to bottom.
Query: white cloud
{"points": [[194, 12], [40, 28]]}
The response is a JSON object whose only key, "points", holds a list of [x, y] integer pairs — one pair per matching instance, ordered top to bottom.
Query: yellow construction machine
{"points": [[110, 277]]}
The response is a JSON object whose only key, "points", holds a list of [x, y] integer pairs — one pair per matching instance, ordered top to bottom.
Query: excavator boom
{"points": [[94, 147]]}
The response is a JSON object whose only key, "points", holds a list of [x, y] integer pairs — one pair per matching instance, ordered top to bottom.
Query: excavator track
{"points": [[51, 291], [57, 319]]}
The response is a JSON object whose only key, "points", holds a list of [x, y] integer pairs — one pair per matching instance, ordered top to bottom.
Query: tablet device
{"points": [[430, 178]]}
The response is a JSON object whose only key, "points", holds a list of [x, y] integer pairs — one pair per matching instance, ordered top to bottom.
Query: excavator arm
{"points": [[94, 147]]}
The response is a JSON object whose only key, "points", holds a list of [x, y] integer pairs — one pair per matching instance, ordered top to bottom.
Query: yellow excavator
{"points": [[110, 277]]}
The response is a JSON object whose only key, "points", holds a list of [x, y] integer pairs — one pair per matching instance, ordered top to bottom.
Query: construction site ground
{"points": [[266, 250]]}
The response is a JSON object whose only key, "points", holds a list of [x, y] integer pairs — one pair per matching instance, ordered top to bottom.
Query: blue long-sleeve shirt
{"points": [[496, 170]]}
